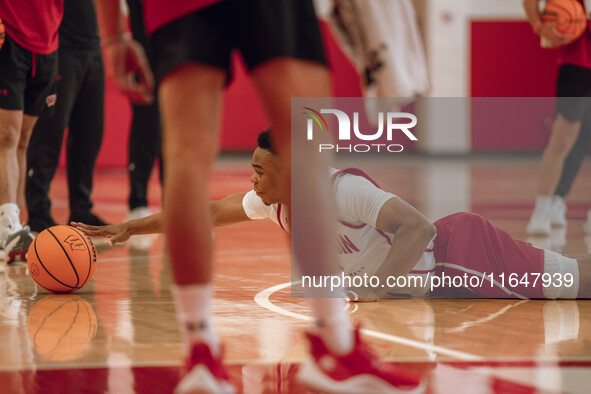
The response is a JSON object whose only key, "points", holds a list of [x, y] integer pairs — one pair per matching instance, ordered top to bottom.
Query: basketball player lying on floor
{"points": [[381, 235]]}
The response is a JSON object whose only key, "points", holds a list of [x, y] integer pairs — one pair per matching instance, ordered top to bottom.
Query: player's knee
{"points": [[8, 136], [21, 147], [560, 147]]}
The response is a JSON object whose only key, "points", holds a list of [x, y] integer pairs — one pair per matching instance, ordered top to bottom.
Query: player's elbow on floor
{"points": [[427, 229]]}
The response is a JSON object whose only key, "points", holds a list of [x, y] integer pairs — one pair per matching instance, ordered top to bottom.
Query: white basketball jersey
{"points": [[362, 248]]}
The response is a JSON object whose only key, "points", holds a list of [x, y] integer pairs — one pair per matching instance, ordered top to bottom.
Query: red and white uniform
{"points": [[33, 24], [465, 243], [362, 247]]}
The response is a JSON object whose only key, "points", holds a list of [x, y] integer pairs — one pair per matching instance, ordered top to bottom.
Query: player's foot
{"points": [[558, 214], [540, 222], [38, 223], [587, 225], [139, 242], [17, 245], [360, 371], [204, 373]]}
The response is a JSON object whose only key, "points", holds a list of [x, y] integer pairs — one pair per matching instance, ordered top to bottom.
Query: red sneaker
{"points": [[360, 371], [204, 373]]}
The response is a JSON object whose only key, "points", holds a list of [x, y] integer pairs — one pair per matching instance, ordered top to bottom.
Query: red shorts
{"points": [[467, 243]]}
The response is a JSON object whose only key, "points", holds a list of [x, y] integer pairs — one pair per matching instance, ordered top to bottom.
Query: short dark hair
{"points": [[264, 141]]}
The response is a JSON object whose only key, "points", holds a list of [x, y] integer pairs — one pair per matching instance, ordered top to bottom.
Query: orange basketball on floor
{"points": [[569, 14], [61, 259]]}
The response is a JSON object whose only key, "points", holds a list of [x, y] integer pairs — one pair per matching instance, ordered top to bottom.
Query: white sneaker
{"points": [[558, 214], [9, 222], [540, 223], [587, 225], [140, 242], [17, 245]]}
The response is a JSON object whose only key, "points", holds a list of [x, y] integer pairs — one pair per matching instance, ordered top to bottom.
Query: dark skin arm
{"points": [[224, 212], [412, 234]]}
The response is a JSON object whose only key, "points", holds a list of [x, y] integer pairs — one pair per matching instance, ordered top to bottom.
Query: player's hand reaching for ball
{"points": [[115, 233]]}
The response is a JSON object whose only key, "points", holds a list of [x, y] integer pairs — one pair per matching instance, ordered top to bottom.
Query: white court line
{"points": [[262, 299]]}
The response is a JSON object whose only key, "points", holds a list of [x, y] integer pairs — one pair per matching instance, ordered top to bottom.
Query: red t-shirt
{"points": [[158, 13], [33, 24], [578, 53]]}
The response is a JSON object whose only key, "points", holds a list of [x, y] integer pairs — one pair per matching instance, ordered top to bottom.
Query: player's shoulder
{"points": [[353, 177], [255, 208]]}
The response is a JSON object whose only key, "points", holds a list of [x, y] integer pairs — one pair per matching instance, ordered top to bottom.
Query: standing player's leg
{"points": [[279, 77], [277, 81], [572, 90], [190, 102], [20, 104], [10, 127], [15, 131], [564, 135], [144, 138], [85, 139], [45, 145], [144, 149], [21, 153], [573, 161], [571, 167]]}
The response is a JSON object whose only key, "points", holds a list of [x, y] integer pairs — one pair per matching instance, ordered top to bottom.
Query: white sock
{"points": [[543, 203], [9, 219], [193, 309], [332, 323]]}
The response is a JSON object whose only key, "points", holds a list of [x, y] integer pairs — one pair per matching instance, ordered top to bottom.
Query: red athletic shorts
{"points": [[469, 244]]}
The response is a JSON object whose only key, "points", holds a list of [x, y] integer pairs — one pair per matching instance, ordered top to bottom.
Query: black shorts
{"points": [[260, 29], [27, 80], [573, 92]]}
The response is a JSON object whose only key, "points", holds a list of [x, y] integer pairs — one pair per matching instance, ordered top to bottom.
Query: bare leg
{"points": [[277, 81], [190, 101], [10, 128], [564, 135], [21, 154], [314, 243]]}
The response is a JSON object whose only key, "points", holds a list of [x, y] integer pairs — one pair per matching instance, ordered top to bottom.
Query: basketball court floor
{"points": [[119, 333]]}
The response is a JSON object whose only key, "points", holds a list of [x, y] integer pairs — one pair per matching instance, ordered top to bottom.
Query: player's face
{"points": [[267, 176]]}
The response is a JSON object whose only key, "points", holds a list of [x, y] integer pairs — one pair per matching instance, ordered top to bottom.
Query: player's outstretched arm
{"points": [[228, 210], [224, 212], [121, 232], [412, 234]]}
